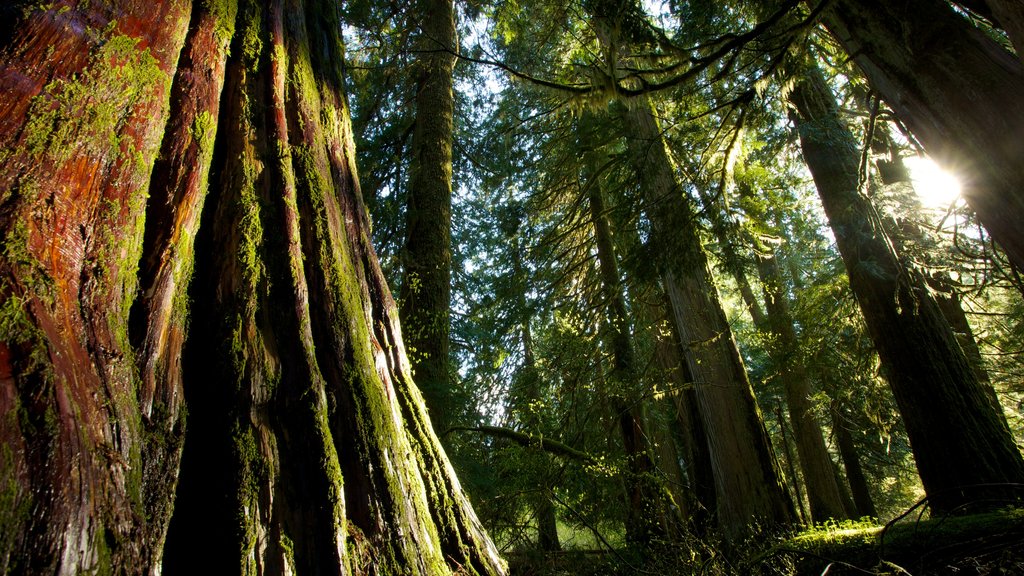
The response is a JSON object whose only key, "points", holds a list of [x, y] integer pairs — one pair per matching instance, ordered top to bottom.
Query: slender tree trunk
{"points": [[956, 89], [427, 258], [530, 395], [959, 441], [309, 449], [851, 463], [790, 467], [748, 485], [822, 490], [823, 494], [645, 507]]}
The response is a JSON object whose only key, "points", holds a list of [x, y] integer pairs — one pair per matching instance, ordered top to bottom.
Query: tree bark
{"points": [[956, 89], [83, 104], [427, 258], [689, 426], [959, 442], [308, 448], [749, 488]]}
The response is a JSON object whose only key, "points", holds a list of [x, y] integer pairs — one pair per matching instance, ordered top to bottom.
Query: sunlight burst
{"points": [[935, 187]]}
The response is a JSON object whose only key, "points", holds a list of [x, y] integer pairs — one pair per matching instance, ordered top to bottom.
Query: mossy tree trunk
{"points": [[957, 90], [427, 256], [960, 442], [308, 448], [749, 487]]}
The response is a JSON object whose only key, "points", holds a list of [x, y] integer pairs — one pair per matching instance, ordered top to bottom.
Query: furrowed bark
{"points": [[84, 103], [308, 448]]}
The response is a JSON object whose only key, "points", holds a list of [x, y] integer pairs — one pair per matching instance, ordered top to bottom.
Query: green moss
{"points": [[225, 11], [252, 32], [85, 114], [203, 130], [15, 508], [906, 543]]}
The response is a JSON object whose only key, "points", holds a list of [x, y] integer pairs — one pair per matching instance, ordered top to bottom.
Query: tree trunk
{"points": [[956, 89], [427, 257], [529, 396], [689, 426], [959, 441], [308, 448], [851, 463], [748, 485], [822, 490], [824, 496], [644, 502]]}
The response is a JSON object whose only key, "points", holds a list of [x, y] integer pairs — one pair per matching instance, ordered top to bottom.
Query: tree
{"points": [[956, 89], [427, 256], [960, 442], [308, 448], [748, 486], [644, 505]]}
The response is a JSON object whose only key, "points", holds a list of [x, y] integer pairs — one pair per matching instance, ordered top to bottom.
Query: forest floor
{"points": [[971, 545]]}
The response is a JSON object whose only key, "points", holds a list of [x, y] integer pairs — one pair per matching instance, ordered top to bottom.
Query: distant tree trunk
{"points": [[956, 89], [427, 257], [530, 394], [959, 441], [308, 448], [851, 463], [788, 464], [748, 485], [823, 493], [645, 506]]}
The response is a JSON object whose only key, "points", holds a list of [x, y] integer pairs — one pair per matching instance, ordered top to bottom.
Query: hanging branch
{"points": [[530, 441]]}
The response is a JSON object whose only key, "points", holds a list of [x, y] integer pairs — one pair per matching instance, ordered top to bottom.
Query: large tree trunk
{"points": [[957, 90], [427, 257], [776, 322], [689, 427], [959, 441], [308, 449], [748, 485]]}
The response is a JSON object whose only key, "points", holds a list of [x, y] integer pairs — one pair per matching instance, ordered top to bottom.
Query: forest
{"points": [[512, 287]]}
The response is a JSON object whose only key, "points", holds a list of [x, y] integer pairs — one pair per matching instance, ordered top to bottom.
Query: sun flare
{"points": [[935, 187]]}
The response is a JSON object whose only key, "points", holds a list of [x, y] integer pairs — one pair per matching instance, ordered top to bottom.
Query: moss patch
{"points": [[991, 542]]}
